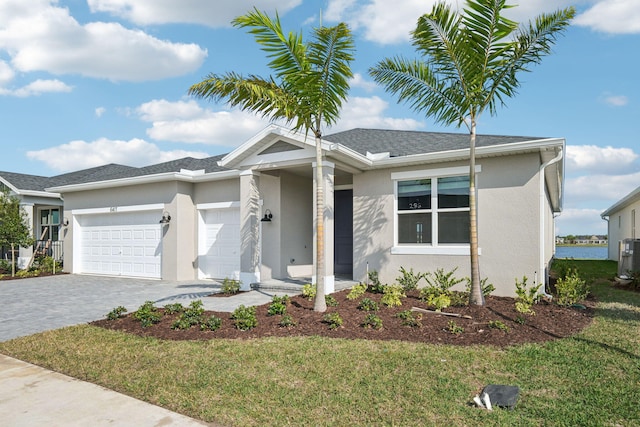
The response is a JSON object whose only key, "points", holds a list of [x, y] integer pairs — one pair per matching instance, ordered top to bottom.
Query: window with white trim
{"points": [[433, 211], [49, 224]]}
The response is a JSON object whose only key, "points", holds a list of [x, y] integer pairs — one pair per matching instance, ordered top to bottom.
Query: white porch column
{"points": [[328, 170], [249, 229], [24, 254]]}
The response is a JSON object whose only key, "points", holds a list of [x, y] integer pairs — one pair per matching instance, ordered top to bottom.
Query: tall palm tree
{"points": [[471, 63], [309, 85]]}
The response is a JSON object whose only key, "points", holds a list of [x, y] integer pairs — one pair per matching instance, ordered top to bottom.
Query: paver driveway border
{"points": [[39, 304]]}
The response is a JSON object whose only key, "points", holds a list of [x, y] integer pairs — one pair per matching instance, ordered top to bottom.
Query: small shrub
{"points": [[47, 264], [5, 266], [27, 273], [408, 279], [441, 280], [374, 283], [230, 286], [487, 288], [571, 289], [309, 291], [357, 291], [392, 295], [526, 297], [459, 299], [331, 301], [440, 301], [367, 304], [278, 305], [173, 308], [116, 313], [147, 314], [191, 316], [244, 318], [409, 318], [333, 319], [521, 320], [287, 321], [372, 321], [213, 323], [497, 324], [454, 328]]}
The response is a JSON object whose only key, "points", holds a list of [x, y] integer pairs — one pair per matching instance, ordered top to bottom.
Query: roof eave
{"points": [[184, 176], [622, 203]]}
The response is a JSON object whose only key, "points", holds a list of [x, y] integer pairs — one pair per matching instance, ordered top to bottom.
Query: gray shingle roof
{"points": [[397, 142], [405, 143], [109, 172]]}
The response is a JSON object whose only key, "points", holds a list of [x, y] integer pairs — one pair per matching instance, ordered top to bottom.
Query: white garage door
{"points": [[121, 244], [219, 246]]}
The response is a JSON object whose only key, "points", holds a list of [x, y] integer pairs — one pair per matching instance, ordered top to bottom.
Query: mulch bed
{"points": [[549, 322]]}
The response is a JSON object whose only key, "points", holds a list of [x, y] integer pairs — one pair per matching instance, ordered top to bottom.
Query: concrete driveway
{"points": [[28, 306]]}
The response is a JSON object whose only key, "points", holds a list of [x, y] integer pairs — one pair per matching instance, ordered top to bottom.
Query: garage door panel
{"points": [[121, 244], [219, 254]]}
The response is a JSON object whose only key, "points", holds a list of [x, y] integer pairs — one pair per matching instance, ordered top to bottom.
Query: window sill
{"points": [[432, 250]]}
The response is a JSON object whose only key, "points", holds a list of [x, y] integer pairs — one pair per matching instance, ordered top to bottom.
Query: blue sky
{"points": [[90, 82]]}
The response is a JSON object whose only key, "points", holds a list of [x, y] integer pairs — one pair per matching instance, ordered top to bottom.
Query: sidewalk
{"points": [[33, 396]]}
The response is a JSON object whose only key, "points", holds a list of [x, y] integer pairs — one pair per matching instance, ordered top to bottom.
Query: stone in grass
{"points": [[504, 396]]}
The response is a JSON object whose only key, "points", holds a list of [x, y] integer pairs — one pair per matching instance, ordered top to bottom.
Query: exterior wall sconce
{"points": [[267, 216], [165, 218], [65, 222]]}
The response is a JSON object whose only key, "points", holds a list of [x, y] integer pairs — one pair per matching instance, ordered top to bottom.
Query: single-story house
{"points": [[392, 199], [621, 225]]}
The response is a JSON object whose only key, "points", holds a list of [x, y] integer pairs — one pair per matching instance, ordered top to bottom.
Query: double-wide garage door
{"points": [[121, 244]]}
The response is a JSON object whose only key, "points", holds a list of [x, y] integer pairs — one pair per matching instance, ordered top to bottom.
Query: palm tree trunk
{"points": [[475, 297], [320, 303]]}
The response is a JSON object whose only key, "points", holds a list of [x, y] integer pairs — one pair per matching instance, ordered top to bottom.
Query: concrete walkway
{"points": [[32, 396]]}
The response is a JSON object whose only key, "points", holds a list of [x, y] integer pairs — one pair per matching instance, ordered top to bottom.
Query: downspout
{"points": [[541, 266]]}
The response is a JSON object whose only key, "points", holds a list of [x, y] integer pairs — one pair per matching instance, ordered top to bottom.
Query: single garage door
{"points": [[219, 243], [121, 244]]}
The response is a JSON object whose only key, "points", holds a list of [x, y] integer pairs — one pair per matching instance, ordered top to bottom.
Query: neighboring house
{"points": [[393, 199], [621, 224]]}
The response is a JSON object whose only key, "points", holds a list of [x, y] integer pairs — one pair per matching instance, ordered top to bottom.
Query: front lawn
{"points": [[592, 378]]}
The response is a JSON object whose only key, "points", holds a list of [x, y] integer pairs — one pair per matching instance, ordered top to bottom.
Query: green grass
{"points": [[592, 379]]}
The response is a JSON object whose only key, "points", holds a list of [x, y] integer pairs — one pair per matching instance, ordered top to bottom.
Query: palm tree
{"points": [[471, 63], [309, 85]]}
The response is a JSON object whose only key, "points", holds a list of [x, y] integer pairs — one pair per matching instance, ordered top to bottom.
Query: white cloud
{"points": [[216, 13], [612, 16], [388, 22], [45, 37], [6, 73], [360, 82], [38, 87], [615, 100], [100, 111], [360, 112], [186, 121], [77, 155], [598, 159], [599, 189], [580, 222]]}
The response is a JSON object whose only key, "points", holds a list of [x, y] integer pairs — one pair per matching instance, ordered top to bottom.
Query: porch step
{"points": [[294, 286]]}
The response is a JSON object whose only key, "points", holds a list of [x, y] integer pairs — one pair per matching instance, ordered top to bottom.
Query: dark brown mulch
{"points": [[549, 322]]}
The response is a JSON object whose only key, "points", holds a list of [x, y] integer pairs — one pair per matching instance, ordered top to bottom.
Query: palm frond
{"points": [[287, 52], [330, 54], [416, 84]]}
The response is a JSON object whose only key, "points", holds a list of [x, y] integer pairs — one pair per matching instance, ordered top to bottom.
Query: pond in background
{"points": [[582, 252]]}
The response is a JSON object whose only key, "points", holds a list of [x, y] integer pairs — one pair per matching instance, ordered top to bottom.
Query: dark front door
{"points": [[343, 233]]}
